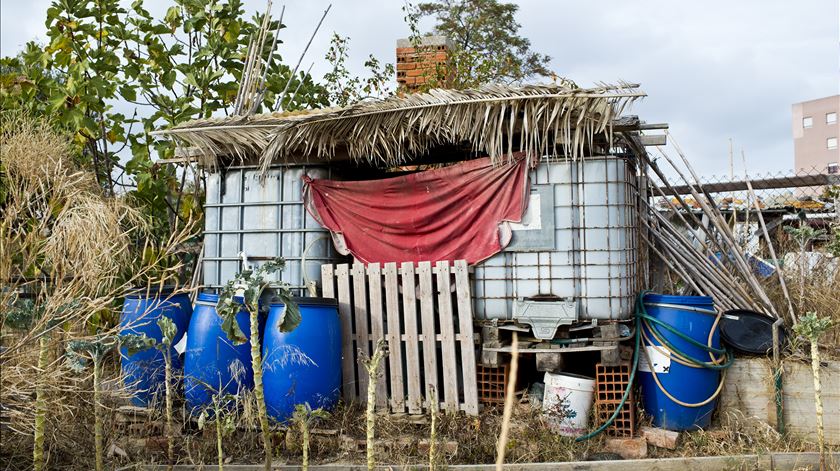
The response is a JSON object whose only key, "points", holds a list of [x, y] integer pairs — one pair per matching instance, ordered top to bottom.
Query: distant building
{"points": [[815, 134]]}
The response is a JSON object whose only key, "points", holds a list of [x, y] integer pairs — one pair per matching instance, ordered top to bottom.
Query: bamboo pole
{"points": [[302, 55], [711, 208], [715, 217], [682, 249], [779, 270], [510, 393]]}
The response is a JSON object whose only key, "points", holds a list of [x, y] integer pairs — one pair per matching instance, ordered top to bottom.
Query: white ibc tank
{"points": [[264, 219], [582, 244]]}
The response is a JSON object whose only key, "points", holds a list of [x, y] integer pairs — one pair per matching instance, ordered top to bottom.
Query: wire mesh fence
{"points": [[812, 190]]}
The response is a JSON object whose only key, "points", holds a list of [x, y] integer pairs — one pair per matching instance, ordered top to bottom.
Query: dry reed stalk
{"points": [[68, 252], [779, 269], [372, 367], [510, 397]]}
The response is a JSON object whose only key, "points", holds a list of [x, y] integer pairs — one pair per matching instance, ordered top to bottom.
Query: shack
{"points": [[517, 206]]}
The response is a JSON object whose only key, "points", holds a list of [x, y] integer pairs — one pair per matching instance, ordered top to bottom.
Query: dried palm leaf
{"points": [[389, 132]]}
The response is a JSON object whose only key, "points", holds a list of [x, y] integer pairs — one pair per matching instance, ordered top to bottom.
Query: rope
{"points": [[642, 318], [668, 348]]}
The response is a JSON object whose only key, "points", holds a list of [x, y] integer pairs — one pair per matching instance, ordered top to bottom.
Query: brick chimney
{"points": [[417, 66]]}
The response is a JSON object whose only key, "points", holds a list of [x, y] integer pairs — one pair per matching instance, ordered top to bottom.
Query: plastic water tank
{"points": [[262, 214], [693, 316], [212, 363], [304, 365], [144, 372]]}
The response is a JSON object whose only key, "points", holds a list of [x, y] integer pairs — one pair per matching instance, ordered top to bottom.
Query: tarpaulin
{"points": [[452, 213]]}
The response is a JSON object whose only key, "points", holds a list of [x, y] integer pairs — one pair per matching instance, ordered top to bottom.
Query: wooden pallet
{"points": [[424, 313]]}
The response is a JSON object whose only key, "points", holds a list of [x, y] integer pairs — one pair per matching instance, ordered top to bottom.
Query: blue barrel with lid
{"points": [[212, 363], [304, 365], [144, 372], [660, 375]]}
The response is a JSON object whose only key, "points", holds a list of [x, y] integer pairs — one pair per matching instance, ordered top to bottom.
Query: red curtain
{"points": [[452, 213]]}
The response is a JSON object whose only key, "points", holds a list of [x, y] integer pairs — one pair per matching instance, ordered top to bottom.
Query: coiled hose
{"points": [[720, 358]]}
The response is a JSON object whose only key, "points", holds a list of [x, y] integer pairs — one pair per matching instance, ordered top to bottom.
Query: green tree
{"points": [[487, 46], [184, 66], [343, 87]]}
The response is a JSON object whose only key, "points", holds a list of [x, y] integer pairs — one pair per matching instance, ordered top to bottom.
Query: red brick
{"points": [[405, 50], [405, 66], [416, 73], [661, 438], [628, 448]]}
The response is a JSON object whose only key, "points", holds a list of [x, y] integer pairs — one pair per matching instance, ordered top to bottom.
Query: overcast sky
{"points": [[712, 69]]}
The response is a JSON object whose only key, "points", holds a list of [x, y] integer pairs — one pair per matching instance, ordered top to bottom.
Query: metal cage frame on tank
{"points": [[262, 217], [590, 272]]}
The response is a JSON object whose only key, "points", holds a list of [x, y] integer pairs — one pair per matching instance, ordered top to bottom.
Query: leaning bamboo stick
{"points": [[302, 55], [715, 218], [725, 232], [709, 252], [678, 269], [779, 270], [690, 272], [715, 272], [718, 275]]}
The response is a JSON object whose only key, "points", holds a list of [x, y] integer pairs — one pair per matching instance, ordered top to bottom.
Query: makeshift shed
{"points": [[536, 187]]}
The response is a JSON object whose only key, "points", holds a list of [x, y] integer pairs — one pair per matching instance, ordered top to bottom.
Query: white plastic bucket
{"points": [[567, 401]]}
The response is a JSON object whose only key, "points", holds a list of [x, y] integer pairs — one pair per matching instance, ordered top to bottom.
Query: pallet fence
{"points": [[425, 315]]}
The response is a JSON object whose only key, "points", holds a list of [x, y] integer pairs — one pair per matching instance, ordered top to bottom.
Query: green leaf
{"points": [[168, 79], [128, 92], [227, 308], [168, 329], [135, 343]]}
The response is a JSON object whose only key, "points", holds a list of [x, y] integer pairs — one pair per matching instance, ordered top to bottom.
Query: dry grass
{"points": [[68, 255], [819, 294], [737, 434]]}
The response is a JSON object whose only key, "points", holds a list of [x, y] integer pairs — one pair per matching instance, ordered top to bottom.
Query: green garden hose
{"points": [[643, 319], [636, 340]]}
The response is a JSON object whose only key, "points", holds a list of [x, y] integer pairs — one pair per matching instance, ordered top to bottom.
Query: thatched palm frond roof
{"points": [[391, 131]]}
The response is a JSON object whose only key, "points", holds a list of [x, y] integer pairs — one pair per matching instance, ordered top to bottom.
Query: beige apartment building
{"points": [[815, 134]]}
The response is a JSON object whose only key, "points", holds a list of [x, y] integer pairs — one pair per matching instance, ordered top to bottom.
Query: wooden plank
{"points": [[654, 140], [327, 281], [392, 310], [361, 317], [427, 319], [377, 329], [465, 329], [447, 337], [412, 346], [348, 357], [748, 390], [800, 413]]}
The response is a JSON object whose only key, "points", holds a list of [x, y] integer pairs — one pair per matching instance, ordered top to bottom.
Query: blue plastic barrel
{"points": [[693, 316], [212, 363], [304, 365], [144, 372]]}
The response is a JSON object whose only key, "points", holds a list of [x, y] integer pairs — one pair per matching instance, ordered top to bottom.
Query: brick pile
{"points": [[416, 66]]}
